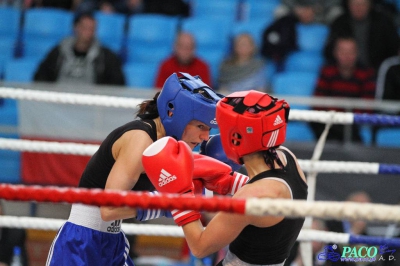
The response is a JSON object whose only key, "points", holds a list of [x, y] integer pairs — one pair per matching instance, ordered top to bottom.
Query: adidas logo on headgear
{"points": [[278, 120], [213, 122], [165, 178]]}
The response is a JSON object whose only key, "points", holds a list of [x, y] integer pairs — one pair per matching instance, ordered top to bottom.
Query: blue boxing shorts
{"points": [[85, 239]]}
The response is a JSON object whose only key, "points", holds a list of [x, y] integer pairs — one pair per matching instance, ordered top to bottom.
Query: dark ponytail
{"points": [[148, 109], [271, 156]]}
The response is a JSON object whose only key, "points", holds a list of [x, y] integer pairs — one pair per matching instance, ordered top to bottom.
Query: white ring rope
{"points": [[69, 98], [124, 102], [48, 146], [90, 149], [323, 209], [154, 230]]}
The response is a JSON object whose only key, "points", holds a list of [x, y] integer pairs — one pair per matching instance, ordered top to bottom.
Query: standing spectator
{"points": [[69, 5], [128, 7], [131, 7], [325, 10], [374, 31], [280, 38], [81, 59], [183, 59], [243, 70], [344, 78], [10, 238]]}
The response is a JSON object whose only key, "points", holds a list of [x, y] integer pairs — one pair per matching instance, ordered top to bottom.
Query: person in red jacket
{"points": [[183, 59], [345, 78]]}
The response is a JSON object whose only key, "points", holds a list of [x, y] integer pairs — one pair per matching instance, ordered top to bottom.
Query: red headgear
{"points": [[251, 121]]}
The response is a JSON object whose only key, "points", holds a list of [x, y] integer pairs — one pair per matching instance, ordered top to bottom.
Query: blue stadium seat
{"points": [[259, 9], [226, 10], [9, 22], [47, 23], [253, 27], [152, 29], [111, 30], [151, 33], [209, 34], [312, 37], [7, 46], [38, 48], [7, 51], [139, 53], [213, 57], [306, 61], [20, 70], [271, 70], [140, 75], [294, 83], [9, 112], [299, 132], [366, 134], [388, 137], [10, 164]]}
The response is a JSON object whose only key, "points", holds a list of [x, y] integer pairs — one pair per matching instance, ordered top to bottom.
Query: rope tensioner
{"points": [[251, 206]]}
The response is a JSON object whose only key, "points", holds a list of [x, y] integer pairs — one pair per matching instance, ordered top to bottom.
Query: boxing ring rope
{"points": [[345, 118], [90, 149], [251, 206], [175, 231]]}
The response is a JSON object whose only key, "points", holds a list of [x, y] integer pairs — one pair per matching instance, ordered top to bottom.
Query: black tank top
{"points": [[99, 166], [272, 245]]}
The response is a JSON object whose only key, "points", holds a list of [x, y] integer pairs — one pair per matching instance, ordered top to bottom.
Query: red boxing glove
{"points": [[169, 165], [217, 176], [198, 187]]}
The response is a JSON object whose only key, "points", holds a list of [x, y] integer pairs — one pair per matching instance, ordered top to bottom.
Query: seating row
{"points": [[149, 37]]}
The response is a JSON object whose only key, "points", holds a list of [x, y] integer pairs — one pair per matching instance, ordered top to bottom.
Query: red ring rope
{"points": [[101, 197]]}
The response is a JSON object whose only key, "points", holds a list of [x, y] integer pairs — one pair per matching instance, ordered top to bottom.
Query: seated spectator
{"points": [[131, 7], [325, 10], [375, 32], [280, 38], [81, 59], [183, 59], [243, 70], [345, 78], [357, 227], [10, 238]]}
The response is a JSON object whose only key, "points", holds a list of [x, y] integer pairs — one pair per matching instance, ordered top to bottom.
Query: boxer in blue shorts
{"points": [[183, 109]]}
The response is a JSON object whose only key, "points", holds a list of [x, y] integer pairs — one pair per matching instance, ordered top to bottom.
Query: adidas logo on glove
{"points": [[278, 120], [165, 178]]}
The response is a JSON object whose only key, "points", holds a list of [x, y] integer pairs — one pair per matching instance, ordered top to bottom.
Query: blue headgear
{"points": [[185, 99], [213, 148]]}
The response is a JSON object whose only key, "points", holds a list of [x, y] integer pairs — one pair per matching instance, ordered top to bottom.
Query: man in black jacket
{"points": [[374, 31], [280, 38], [81, 59]]}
